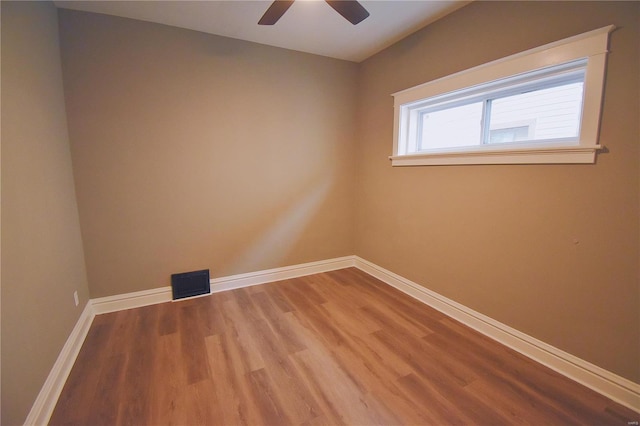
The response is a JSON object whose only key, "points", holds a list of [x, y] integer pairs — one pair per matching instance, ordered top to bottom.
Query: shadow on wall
{"points": [[276, 242]]}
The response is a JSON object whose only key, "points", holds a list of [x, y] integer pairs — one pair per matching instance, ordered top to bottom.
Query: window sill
{"points": [[537, 155]]}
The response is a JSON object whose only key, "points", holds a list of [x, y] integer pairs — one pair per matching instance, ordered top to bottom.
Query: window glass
{"points": [[543, 106], [551, 113], [452, 127]]}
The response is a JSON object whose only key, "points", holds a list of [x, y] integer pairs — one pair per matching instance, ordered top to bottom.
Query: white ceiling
{"points": [[309, 25]]}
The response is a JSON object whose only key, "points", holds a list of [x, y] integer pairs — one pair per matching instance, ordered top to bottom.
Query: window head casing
{"points": [[539, 106]]}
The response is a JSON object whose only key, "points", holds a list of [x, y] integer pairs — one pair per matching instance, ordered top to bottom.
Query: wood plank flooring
{"points": [[327, 349]]}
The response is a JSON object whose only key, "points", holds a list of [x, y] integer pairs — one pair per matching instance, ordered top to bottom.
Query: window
{"points": [[539, 106]]}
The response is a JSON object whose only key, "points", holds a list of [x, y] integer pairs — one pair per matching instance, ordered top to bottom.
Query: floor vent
{"points": [[188, 284]]}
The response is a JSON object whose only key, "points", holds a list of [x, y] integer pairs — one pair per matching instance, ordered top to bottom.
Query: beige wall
{"points": [[195, 151], [551, 250], [42, 259]]}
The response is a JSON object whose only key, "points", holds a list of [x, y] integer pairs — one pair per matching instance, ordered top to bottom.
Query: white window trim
{"points": [[591, 45]]}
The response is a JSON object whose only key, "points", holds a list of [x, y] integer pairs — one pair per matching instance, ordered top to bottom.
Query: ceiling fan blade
{"points": [[351, 10], [275, 12]]}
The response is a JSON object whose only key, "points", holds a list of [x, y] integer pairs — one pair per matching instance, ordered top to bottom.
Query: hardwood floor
{"points": [[327, 349]]}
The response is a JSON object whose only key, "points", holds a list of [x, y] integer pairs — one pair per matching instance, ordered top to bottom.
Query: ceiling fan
{"points": [[351, 10]]}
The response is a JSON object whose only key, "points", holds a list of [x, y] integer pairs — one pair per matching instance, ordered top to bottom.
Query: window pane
{"points": [[549, 113], [453, 127], [509, 134]]}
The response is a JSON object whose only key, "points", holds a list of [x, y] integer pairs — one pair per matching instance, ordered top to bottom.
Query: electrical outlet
{"points": [[75, 297]]}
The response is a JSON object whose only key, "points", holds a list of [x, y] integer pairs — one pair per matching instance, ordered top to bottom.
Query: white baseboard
{"points": [[278, 274], [137, 299], [602, 381], [45, 403]]}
